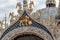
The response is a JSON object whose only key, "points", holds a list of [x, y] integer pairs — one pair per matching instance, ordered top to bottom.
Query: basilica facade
{"points": [[44, 24]]}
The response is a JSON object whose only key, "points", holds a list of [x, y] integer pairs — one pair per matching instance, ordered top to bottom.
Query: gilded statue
{"points": [[26, 20]]}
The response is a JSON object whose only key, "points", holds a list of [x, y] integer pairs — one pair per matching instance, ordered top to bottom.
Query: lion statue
{"points": [[25, 20]]}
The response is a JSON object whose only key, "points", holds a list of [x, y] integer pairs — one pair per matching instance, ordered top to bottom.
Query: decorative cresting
{"points": [[30, 26], [27, 30]]}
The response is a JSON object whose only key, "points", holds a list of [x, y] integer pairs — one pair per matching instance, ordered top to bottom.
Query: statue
{"points": [[19, 5], [31, 6], [11, 15], [26, 20]]}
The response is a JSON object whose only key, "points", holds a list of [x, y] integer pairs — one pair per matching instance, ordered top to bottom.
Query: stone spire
{"points": [[50, 3], [25, 5]]}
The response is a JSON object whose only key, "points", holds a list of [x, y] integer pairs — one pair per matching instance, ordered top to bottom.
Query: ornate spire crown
{"points": [[50, 3]]}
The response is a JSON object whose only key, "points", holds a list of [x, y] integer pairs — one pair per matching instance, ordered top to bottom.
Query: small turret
{"points": [[50, 3]]}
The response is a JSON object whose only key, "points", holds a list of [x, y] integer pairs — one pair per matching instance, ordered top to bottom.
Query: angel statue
{"points": [[19, 5], [31, 6], [13, 17]]}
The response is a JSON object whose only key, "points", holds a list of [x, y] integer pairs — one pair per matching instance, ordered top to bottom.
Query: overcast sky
{"points": [[10, 5]]}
